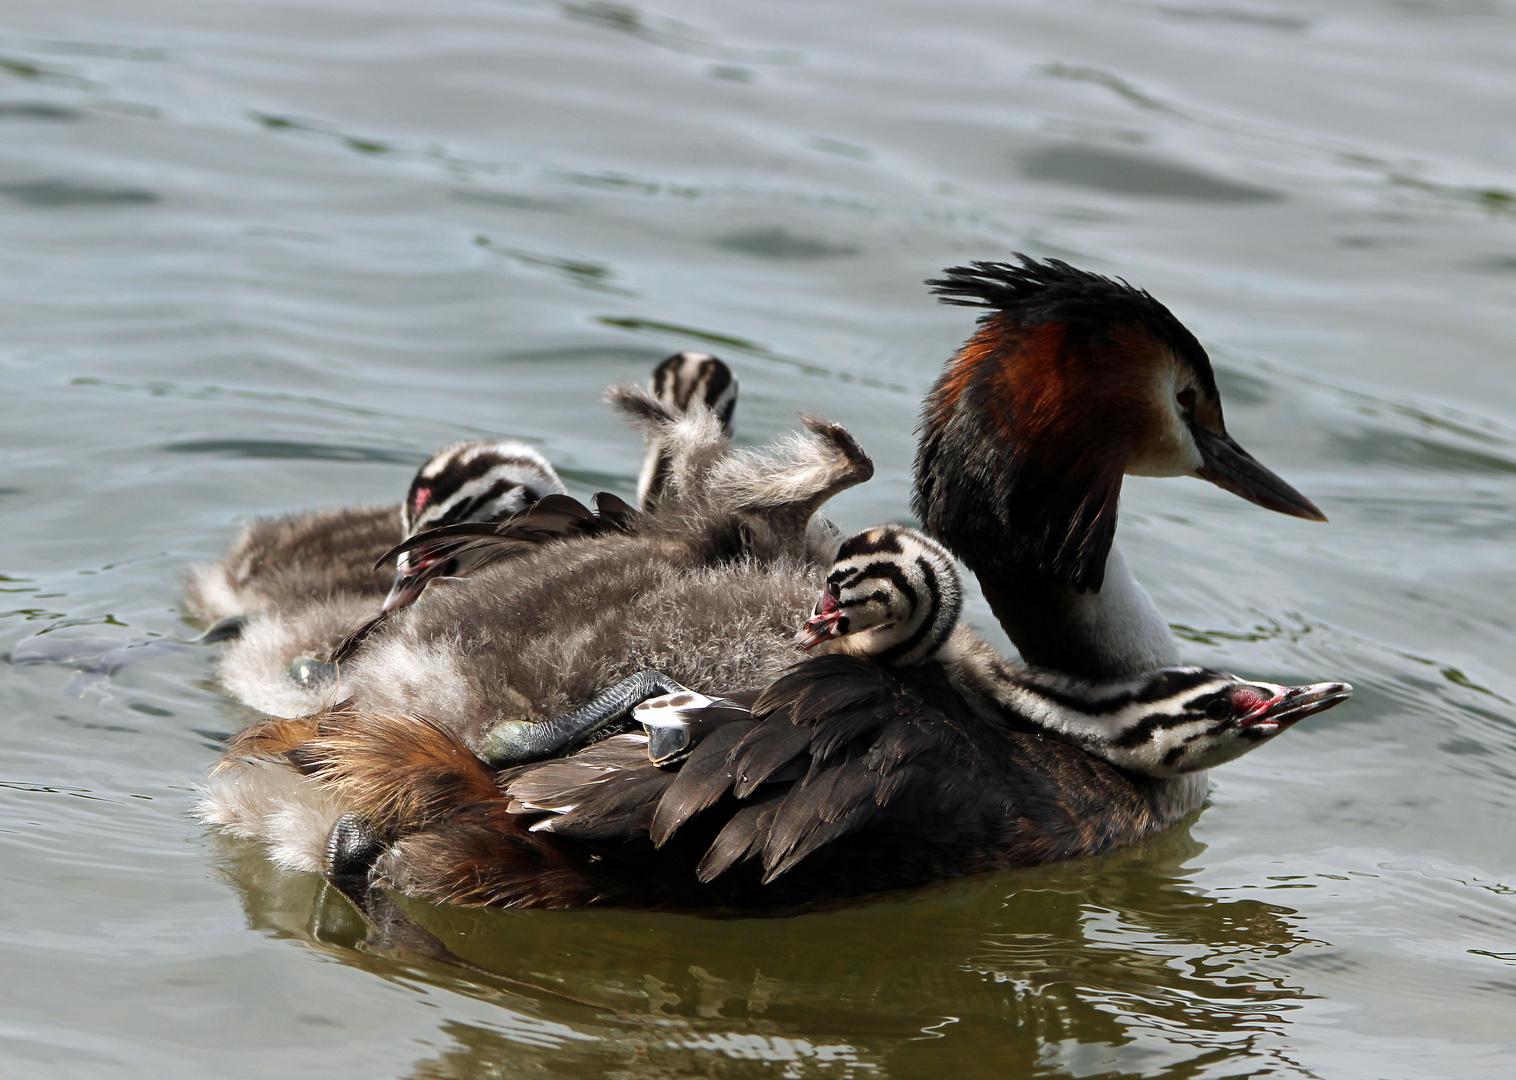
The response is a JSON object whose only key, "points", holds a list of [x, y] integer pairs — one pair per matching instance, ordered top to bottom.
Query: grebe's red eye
{"points": [[1187, 399], [1219, 709]]}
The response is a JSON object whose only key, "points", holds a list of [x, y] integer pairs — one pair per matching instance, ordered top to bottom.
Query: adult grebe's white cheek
{"points": [[1167, 447]]}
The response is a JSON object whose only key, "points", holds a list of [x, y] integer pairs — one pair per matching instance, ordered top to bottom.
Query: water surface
{"points": [[262, 256]]}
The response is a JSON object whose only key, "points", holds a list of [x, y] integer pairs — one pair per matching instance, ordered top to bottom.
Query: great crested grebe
{"points": [[1071, 381], [678, 382], [283, 563], [708, 586], [894, 596], [904, 703], [888, 735], [871, 778]]}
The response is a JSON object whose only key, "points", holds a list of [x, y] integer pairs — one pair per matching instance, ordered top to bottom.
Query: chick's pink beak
{"points": [[825, 624], [819, 628], [1296, 703]]}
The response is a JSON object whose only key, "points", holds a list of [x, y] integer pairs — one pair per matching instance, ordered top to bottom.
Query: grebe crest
{"points": [[1071, 381]]}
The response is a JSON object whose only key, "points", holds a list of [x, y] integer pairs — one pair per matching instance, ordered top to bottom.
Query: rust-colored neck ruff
{"points": [[1024, 439], [1023, 445]]}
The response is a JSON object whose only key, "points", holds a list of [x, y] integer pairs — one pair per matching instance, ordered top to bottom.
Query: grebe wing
{"points": [[553, 517], [839, 744], [842, 744]]}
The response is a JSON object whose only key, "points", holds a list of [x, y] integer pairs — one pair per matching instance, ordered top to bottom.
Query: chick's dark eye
{"points": [[1186, 399], [1220, 709]]}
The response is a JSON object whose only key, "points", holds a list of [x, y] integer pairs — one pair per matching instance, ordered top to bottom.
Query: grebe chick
{"points": [[678, 382], [692, 384], [468, 481], [286, 562], [707, 588], [302, 594], [892, 596], [895, 596], [306, 622], [1166, 723]]}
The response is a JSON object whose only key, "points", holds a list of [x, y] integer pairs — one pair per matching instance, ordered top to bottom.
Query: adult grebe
{"points": [[1071, 381], [890, 754], [862, 797]]}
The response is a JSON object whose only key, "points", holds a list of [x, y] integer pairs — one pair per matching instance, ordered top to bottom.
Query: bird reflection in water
{"points": [[1115, 965]]}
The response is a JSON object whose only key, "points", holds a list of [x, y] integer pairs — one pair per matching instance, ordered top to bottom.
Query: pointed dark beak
{"points": [[1229, 466], [407, 587], [1298, 703]]}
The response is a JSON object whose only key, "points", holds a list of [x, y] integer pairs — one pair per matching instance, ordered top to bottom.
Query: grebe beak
{"points": [[1232, 468], [407, 587], [827, 621], [819, 628], [1297, 703]]}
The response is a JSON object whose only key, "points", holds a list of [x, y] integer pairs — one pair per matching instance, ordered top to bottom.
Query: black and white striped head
{"points": [[688, 377], [683, 382], [469, 481], [893, 595], [1171, 721]]}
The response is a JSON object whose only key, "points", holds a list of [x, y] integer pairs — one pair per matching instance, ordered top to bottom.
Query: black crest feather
{"points": [[1053, 291]]}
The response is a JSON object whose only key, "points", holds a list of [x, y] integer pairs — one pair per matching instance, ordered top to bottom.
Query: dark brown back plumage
{"points": [[850, 778]]}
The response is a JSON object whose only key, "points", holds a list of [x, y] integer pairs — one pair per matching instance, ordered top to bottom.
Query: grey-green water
{"points": [[261, 256]]}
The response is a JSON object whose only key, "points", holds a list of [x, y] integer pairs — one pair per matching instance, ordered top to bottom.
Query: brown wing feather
{"points": [[867, 725], [832, 752], [703, 778], [858, 780], [621, 809], [741, 837], [485, 855]]}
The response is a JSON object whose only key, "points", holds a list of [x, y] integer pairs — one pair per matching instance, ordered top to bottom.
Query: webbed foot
{"points": [[517, 742], [352, 848]]}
